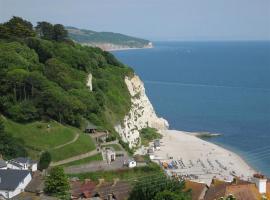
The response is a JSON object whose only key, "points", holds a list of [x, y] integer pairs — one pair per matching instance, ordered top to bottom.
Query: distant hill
{"points": [[106, 40]]}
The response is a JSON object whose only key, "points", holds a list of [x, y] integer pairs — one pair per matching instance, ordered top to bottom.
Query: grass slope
{"points": [[38, 137], [83, 145], [96, 157]]}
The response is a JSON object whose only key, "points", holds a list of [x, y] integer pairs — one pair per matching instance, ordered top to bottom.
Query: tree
{"points": [[19, 27], [45, 30], [49, 31], [60, 33], [10, 147], [44, 161], [56, 183], [160, 186], [168, 195]]}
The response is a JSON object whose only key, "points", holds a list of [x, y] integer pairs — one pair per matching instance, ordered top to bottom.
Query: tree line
{"points": [[44, 74]]}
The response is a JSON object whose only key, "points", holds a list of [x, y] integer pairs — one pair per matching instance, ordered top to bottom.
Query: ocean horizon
{"points": [[216, 87]]}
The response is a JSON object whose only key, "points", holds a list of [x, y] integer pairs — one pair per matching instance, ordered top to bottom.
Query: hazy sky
{"points": [[153, 19]]}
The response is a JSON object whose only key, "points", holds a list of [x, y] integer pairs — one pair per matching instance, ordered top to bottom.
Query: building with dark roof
{"points": [[90, 128], [22, 163], [3, 164], [13, 182]]}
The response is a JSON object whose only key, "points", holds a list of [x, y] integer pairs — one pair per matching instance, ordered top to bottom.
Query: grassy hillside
{"points": [[92, 37], [40, 136]]}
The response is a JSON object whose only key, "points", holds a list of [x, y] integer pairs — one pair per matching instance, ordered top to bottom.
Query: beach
{"points": [[195, 159]]}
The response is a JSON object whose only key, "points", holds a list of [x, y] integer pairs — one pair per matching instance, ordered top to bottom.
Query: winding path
{"points": [[70, 142], [74, 158]]}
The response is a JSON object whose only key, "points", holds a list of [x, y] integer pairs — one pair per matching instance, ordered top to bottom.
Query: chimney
{"points": [[100, 181], [115, 181], [235, 181], [260, 182], [110, 197]]}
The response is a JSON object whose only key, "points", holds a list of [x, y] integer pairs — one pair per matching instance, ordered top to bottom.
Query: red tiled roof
{"points": [[197, 189]]}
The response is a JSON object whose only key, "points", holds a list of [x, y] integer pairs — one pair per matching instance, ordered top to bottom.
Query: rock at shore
{"points": [[141, 114]]}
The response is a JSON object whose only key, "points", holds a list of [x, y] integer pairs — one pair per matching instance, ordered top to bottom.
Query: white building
{"points": [[157, 145], [110, 155], [132, 163], [22, 164], [13, 182], [260, 182]]}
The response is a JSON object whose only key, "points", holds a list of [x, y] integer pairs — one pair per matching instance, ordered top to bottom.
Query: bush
{"points": [[149, 134], [44, 161], [56, 183]]}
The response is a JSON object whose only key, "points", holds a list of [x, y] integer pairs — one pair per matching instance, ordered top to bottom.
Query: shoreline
{"points": [[127, 48], [200, 160]]}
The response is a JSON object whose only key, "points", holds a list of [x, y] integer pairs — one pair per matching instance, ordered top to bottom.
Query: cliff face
{"points": [[89, 82], [141, 114]]}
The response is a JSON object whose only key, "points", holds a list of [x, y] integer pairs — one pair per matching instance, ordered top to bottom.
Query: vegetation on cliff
{"points": [[93, 37], [44, 74]]}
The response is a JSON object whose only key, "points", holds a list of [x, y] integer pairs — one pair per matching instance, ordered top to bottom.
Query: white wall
{"points": [[10, 166], [34, 167], [19, 189]]}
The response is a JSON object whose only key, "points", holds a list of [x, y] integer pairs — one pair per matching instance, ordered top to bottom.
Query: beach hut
{"points": [[90, 128], [157, 145], [111, 156], [132, 163]]}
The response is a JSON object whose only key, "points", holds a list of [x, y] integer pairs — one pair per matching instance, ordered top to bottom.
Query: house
{"points": [[90, 128], [100, 136], [157, 145], [150, 152], [110, 155], [22, 163], [131, 163], [3, 164], [13, 182], [81, 189], [118, 190], [198, 190], [241, 190]]}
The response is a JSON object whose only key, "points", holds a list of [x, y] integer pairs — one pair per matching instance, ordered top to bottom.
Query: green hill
{"points": [[106, 39], [43, 78]]}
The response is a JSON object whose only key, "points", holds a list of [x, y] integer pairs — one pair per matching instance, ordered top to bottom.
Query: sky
{"points": [[152, 19]]}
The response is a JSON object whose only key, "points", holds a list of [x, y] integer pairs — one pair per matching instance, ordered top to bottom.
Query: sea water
{"points": [[215, 87]]}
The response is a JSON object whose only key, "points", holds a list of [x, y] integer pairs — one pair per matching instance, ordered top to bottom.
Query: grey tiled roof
{"points": [[24, 160], [2, 164], [15, 164], [10, 179]]}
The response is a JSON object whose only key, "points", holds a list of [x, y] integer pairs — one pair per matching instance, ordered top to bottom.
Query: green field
{"points": [[38, 137], [84, 144], [116, 147], [96, 157]]}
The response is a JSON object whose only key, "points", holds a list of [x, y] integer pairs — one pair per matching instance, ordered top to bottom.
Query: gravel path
{"points": [[74, 158]]}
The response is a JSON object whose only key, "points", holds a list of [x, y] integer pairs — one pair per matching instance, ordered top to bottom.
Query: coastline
{"points": [[127, 48], [202, 160]]}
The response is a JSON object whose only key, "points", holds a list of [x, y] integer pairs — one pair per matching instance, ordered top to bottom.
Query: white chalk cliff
{"points": [[89, 82], [141, 114]]}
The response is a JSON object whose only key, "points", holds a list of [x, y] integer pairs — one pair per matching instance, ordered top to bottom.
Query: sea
{"points": [[213, 87]]}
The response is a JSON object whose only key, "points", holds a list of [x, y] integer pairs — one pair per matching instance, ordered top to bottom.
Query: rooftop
{"points": [[90, 126], [24, 160], [3, 163], [10, 179]]}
